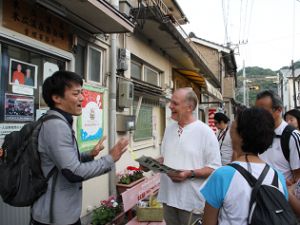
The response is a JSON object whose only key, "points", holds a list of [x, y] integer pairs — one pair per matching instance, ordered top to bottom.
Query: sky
{"points": [[264, 33]]}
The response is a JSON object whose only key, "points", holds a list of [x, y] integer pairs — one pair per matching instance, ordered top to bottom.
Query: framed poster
{"points": [[22, 73], [19, 107], [90, 123]]}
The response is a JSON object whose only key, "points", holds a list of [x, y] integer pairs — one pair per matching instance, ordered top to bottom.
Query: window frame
{"points": [[96, 48], [143, 66]]}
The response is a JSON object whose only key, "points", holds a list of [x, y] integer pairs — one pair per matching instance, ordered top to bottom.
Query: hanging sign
{"points": [[34, 23], [210, 118]]}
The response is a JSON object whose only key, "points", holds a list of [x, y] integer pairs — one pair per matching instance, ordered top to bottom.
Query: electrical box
{"points": [[126, 92], [125, 122]]}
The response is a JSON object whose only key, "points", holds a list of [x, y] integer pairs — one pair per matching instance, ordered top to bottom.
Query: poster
{"points": [[49, 69], [23, 74], [19, 107], [90, 123], [7, 128]]}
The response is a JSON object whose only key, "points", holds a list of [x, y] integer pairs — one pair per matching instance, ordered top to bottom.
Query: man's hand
{"points": [[98, 148], [119, 149], [144, 168], [179, 177]]}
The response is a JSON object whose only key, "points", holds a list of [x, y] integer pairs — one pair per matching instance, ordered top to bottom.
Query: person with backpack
{"points": [[58, 148], [227, 153], [283, 154], [236, 194]]}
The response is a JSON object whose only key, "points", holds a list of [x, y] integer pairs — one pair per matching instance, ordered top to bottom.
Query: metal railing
{"points": [[165, 10]]}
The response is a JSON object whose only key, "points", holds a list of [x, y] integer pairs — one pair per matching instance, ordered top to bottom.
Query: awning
{"points": [[95, 16], [202, 82]]}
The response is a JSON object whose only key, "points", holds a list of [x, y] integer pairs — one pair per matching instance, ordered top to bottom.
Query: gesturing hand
{"points": [[98, 147], [119, 149]]}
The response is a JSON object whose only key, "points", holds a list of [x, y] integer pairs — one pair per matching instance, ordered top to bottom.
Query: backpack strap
{"points": [[285, 140], [54, 170], [248, 176], [275, 179], [254, 183]]}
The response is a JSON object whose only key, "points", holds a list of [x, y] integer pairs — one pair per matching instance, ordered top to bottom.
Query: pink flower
{"points": [[112, 197]]}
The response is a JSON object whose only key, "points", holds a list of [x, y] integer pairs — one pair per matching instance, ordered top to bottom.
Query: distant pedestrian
{"points": [[292, 117], [227, 153], [274, 156]]}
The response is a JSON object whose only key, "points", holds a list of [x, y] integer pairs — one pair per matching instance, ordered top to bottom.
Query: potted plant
{"points": [[128, 179], [109, 212]]}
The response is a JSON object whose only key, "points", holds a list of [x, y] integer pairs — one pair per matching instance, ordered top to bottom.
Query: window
{"points": [[80, 60], [88, 62], [94, 64], [40, 67], [136, 71], [145, 73], [150, 76], [143, 129]]}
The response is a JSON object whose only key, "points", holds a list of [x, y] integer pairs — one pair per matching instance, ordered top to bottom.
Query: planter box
{"points": [[123, 187], [118, 220]]}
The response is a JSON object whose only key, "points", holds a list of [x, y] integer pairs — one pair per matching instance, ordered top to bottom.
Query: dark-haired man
{"points": [[192, 147], [58, 148], [227, 153], [274, 156]]}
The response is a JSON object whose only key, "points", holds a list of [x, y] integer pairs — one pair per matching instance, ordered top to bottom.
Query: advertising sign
{"points": [[210, 118], [90, 123]]}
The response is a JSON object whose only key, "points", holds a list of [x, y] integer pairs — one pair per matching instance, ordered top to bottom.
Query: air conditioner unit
{"points": [[125, 7]]}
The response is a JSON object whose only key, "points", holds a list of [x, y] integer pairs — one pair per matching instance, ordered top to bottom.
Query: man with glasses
{"points": [[227, 153], [274, 156]]}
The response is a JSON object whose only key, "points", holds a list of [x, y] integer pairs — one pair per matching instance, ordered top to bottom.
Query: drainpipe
{"points": [[112, 101]]}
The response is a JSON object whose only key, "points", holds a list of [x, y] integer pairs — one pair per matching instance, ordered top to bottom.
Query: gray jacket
{"points": [[58, 147]]}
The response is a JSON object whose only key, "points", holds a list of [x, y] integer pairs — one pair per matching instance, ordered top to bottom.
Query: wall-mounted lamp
{"points": [[53, 6]]}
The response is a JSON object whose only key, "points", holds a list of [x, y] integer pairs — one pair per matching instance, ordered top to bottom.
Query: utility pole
{"points": [[244, 82], [294, 86]]}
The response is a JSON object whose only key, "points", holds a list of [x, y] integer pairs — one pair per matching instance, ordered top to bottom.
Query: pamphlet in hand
{"points": [[153, 164], [156, 166]]}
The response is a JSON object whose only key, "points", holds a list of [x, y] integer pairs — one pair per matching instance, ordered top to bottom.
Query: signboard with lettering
{"points": [[34, 23], [210, 118], [90, 123], [140, 191]]}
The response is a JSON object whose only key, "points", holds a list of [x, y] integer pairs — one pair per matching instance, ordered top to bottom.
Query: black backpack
{"points": [[285, 140], [21, 176], [268, 205]]}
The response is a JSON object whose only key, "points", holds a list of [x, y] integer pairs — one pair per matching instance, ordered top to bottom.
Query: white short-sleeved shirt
{"points": [[196, 148], [226, 148], [275, 157], [228, 189]]}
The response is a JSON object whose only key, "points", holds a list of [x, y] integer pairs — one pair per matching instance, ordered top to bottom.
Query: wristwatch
{"points": [[192, 175]]}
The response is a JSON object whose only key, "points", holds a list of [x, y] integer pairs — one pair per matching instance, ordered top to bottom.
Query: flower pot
{"points": [[123, 187], [118, 220]]}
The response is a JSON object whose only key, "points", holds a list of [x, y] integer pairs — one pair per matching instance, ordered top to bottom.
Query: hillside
{"points": [[257, 76]]}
